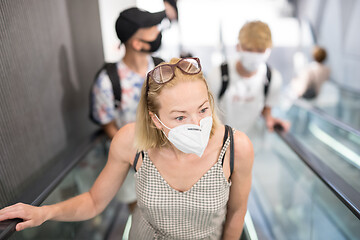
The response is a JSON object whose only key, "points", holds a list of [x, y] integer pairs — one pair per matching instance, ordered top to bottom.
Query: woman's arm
{"points": [[240, 188], [89, 204]]}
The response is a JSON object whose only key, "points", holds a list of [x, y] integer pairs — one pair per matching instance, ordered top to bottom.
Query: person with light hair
{"points": [[246, 86], [193, 174]]}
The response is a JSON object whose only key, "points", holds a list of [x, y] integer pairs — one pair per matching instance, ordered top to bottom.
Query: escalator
{"points": [[340, 102], [335, 143], [73, 175], [306, 184], [303, 188], [290, 201]]}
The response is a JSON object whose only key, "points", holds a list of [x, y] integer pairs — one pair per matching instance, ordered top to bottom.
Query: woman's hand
{"points": [[88, 204], [32, 216]]}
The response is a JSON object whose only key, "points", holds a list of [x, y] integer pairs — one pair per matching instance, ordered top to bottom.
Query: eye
{"points": [[204, 110], [180, 118]]}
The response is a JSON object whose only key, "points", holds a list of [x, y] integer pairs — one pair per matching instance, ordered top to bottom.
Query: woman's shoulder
{"points": [[125, 134], [242, 143], [122, 145], [243, 149]]}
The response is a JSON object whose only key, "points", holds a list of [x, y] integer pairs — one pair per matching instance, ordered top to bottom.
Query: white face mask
{"points": [[252, 60], [190, 138]]}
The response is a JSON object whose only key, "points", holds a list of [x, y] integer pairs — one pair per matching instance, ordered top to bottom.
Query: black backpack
{"points": [[111, 70], [225, 79], [310, 93]]}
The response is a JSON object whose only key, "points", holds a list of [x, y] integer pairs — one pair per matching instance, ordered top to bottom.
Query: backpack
{"points": [[111, 70], [225, 79], [310, 92]]}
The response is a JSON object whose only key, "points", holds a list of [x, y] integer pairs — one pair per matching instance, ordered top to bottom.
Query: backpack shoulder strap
{"points": [[157, 60], [111, 70], [268, 77], [224, 78]]}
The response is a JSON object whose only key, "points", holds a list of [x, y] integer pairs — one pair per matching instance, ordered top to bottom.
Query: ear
{"points": [[136, 44], [238, 47], [155, 120]]}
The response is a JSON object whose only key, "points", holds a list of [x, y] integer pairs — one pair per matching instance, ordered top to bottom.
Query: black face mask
{"points": [[154, 45]]}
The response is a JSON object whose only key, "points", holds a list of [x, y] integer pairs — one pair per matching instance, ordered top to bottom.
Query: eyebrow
{"points": [[203, 103], [185, 111]]}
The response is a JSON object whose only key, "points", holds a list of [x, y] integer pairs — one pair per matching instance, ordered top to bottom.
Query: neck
{"points": [[136, 61], [242, 71], [181, 156]]}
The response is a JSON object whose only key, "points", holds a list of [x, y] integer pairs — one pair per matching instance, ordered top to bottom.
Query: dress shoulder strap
{"points": [[229, 131], [231, 150], [137, 158]]}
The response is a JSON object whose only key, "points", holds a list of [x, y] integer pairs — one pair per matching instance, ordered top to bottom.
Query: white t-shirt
{"points": [[244, 99]]}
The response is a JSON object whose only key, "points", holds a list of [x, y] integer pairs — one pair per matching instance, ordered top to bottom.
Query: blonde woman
{"points": [[193, 174]]}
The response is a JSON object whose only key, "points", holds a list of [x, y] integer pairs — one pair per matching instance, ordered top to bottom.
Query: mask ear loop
{"points": [[161, 122], [163, 125]]}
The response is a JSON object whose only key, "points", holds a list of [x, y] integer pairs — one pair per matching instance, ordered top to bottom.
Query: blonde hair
{"points": [[255, 35], [146, 134]]}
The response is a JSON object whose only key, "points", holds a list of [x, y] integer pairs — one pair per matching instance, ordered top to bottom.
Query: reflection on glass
{"points": [[346, 108], [336, 147], [79, 180], [288, 201]]}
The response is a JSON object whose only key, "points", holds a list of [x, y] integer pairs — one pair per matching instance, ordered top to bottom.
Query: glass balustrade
{"points": [[336, 147], [79, 180], [288, 201]]}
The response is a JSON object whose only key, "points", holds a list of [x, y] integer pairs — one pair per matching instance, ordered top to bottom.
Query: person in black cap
{"points": [[139, 32]]}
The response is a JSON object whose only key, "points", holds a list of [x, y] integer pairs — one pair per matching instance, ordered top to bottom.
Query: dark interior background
{"points": [[49, 53]]}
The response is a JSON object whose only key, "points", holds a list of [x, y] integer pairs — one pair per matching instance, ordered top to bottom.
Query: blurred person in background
{"points": [[310, 80], [247, 87], [116, 91]]}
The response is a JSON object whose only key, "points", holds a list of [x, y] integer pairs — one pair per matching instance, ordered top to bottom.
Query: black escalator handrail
{"points": [[323, 115], [45, 184], [344, 191]]}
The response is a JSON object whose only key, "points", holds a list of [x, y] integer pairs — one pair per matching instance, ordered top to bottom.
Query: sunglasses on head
{"points": [[166, 72]]}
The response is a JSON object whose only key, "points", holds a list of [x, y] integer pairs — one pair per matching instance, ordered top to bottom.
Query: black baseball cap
{"points": [[130, 20]]}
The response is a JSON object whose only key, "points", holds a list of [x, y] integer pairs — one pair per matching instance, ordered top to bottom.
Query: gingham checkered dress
{"points": [[165, 213]]}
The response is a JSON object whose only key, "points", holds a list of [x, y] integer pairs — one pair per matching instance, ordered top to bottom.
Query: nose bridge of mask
{"points": [[253, 55], [258, 56], [171, 128], [190, 138]]}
